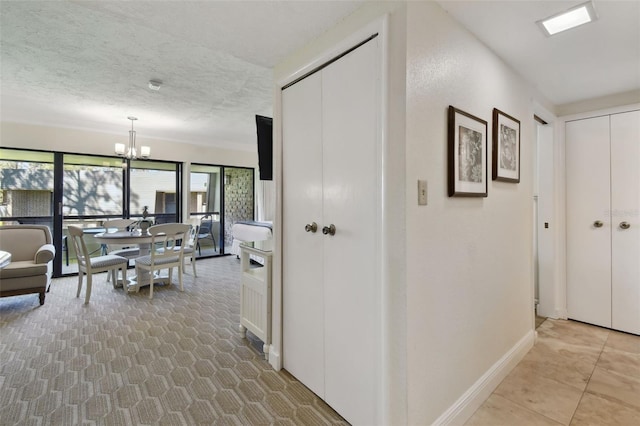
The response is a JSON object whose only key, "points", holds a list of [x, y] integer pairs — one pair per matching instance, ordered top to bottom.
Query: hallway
{"points": [[576, 374]]}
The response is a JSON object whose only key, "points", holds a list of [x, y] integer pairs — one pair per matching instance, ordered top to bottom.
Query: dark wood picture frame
{"points": [[506, 147], [467, 154]]}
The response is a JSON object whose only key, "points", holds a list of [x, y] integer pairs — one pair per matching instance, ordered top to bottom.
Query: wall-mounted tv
{"points": [[264, 127]]}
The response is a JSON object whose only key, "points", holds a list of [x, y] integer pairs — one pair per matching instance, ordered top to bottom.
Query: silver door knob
{"points": [[597, 224], [625, 225], [311, 227], [331, 230]]}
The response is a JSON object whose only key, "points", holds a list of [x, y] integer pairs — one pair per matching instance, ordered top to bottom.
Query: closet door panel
{"points": [[349, 92], [588, 201], [625, 207], [303, 293]]}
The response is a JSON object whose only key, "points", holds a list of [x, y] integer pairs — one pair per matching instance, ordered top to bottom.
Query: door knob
{"points": [[597, 224], [625, 225], [311, 227], [331, 230]]}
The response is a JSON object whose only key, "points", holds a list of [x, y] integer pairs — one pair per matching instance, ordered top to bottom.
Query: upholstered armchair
{"points": [[32, 254]]}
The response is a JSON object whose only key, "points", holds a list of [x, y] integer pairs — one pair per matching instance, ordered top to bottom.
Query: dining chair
{"points": [[119, 225], [205, 232], [190, 245], [189, 250], [167, 252], [88, 265]]}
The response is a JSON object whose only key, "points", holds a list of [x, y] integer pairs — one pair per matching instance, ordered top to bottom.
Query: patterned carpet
{"points": [[177, 359]]}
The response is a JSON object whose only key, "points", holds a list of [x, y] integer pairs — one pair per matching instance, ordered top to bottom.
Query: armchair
{"points": [[32, 254]]}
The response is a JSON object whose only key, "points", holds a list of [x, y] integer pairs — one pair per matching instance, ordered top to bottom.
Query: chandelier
{"points": [[130, 152]]}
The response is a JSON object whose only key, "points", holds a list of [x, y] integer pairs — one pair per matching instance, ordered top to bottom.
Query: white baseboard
{"points": [[274, 358], [473, 398]]}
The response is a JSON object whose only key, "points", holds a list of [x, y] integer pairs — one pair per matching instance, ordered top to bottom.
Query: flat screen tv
{"points": [[264, 126]]}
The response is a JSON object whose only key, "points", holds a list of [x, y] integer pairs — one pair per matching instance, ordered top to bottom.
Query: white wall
{"points": [[27, 136], [469, 260], [465, 272]]}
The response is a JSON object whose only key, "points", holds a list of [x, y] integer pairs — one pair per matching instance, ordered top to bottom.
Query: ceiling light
{"points": [[574, 17], [155, 84], [131, 153]]}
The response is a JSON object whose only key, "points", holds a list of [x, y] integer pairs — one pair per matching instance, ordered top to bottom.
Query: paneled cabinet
{"points": [[330, 154], [603, 220]]}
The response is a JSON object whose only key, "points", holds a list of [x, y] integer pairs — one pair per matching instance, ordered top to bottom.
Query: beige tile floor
{"points": [[576, 374]]}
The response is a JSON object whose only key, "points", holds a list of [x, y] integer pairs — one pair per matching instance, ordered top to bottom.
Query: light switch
{"points": [[422, 192]]}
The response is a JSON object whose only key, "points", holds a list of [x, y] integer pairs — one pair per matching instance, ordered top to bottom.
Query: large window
{"points": [[155, 185], [26, 186], [93, 187], [58, 189], [219, 197], [238, 198], [205, 206]]}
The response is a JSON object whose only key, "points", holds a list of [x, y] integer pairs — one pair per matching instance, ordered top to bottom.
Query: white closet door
{"points": [[350, 100], [588, 201], [625, 207], [303, 292]]}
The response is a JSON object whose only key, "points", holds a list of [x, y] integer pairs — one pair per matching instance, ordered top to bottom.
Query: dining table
{"points": [[135, 237]]}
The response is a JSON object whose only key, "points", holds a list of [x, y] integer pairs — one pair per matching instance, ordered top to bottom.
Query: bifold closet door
{"points": [[349, 94], [330, 162], [588, 221], [625, 226], [303, 264]]}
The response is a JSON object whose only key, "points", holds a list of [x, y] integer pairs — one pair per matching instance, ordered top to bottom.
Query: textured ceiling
{"points": [[86, 64]]}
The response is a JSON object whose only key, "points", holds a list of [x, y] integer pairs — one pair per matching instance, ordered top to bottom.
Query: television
{"points": [[264, 127]]}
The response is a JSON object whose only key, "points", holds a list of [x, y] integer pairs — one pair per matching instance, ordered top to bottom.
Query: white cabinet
{"points": [[330, 168], [603, 220], [255, 292]]}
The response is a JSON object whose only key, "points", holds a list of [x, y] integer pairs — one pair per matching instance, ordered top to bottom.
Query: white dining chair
{"points": [[119, 225], [190, 246], [165, 253], [88, 265]]}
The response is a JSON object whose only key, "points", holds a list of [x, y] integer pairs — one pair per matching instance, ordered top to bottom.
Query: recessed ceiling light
{"points": [[574, 17], [155, 84]]}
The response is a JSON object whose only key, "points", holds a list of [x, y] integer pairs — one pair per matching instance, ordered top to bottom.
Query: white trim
{"points": [[376, 27], [596, 113], [274, 358], [473, 398]]}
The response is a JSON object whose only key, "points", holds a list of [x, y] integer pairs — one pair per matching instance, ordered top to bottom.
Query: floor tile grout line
{"points": [[595, 365]]}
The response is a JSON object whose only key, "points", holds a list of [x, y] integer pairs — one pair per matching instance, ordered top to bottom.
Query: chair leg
{"points": [[193, 264], [80, 274], [124, 276], [151, 276], [180, 276], [88, 295], [41, 296]]}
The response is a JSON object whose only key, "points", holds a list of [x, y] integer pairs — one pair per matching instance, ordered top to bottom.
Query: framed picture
{"points": [[506, 147], [467, 154]]}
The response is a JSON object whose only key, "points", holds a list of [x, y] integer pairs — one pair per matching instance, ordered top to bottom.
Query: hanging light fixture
{"points": [[130, 152]]}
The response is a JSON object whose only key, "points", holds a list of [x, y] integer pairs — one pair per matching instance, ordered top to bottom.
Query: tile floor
{"points": [[576, 374]]}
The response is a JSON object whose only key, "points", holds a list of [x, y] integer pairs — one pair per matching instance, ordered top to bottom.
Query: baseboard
{"points": [[274, 358], [473, 398]]}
